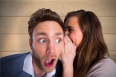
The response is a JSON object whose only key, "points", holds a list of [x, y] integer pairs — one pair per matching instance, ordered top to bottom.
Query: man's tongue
{"points": [[49, 62]]}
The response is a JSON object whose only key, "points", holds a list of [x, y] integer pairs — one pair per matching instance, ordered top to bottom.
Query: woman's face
{"points": [[74, 30]]}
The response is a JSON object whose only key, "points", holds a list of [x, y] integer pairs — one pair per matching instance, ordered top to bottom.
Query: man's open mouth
{"points": [[49, 62]]}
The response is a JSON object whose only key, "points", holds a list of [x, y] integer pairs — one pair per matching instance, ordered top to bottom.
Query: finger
{"points": [[68, 39], [74, 45], [69, 46], [63, 50]]}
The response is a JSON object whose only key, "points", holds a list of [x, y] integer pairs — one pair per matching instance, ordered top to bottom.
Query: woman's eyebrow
{"points": [[69, 27]]}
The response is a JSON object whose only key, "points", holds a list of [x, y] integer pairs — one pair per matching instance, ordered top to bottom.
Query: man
{"points": [[46, 33]]}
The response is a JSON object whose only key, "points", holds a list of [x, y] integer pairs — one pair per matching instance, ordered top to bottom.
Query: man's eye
{"points": [[42, 40], [58, 40]]}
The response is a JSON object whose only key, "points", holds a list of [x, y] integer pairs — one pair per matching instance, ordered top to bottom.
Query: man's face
{"points": [[47, 45]]}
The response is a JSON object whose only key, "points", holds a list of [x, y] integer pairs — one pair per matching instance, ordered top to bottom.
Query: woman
{"points": [[90, 54]]}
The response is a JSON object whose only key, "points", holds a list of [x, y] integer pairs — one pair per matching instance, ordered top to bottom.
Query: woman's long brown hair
{"points": [[92, 48]]}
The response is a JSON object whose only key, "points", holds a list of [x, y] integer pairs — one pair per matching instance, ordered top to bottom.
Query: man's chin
{"points": [[48, 70]]}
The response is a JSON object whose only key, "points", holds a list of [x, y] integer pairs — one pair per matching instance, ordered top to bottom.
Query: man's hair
{"points": [[42, 15], [92, 48]]}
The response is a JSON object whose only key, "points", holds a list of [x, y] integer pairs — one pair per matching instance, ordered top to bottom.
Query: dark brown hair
{"points": [[42, 15], [92, 48]]}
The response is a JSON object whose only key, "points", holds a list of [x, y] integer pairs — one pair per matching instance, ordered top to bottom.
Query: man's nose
{"points": [[50, 48]]}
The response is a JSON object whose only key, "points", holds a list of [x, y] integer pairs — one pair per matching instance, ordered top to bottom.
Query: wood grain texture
{"points": [[101, 8], [20, 24], [14, 25], [110, 40], [14, 43]]}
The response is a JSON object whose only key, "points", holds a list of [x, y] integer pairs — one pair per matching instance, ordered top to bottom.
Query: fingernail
{"points": [[66, 35]]}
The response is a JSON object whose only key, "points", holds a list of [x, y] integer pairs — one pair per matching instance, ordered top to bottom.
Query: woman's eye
{"points": [[70, 30], [42, 40], [58, 40]]}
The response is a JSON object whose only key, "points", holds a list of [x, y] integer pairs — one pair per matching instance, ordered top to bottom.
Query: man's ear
{"points": [[30, 43]]}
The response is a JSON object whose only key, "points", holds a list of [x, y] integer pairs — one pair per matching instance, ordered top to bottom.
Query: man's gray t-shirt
{"points": [[104, 68]]}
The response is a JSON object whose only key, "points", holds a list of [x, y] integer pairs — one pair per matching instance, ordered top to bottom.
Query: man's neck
{"points": [[38, 72]]}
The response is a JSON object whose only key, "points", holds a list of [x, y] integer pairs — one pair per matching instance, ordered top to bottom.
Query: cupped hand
{"points": [[69, 52], [67, 57]]}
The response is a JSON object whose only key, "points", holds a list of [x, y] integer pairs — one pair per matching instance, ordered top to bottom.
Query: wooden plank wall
{"points": [[14, 15]]}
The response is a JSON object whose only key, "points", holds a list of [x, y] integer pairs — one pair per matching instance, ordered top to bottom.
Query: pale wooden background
{"points": [[14, 15]]}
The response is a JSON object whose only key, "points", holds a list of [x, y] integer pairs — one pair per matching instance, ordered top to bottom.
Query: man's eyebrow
{"points": [[40, 33], [59, 34]]}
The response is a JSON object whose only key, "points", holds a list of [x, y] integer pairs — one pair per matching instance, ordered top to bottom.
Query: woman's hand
{"points": [[68, 56]]}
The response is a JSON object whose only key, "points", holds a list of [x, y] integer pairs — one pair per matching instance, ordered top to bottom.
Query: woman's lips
{"points": [[49, 62]]}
